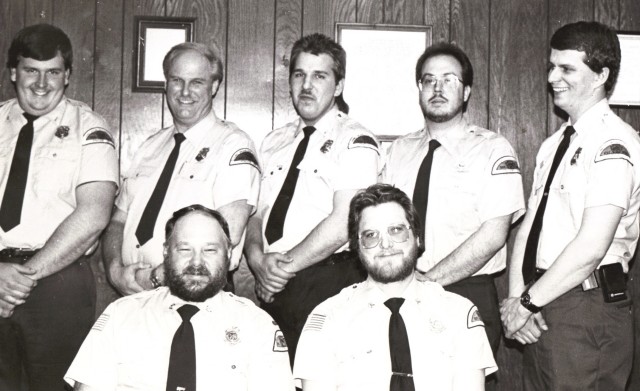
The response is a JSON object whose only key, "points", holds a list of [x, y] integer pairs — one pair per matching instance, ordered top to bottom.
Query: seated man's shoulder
{"points": [[246, 309], [457, 310]]}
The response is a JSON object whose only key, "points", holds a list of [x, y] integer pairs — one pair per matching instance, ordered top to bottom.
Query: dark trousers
{"points": [[310, 287], [482, 292], [39, 341], [589, 345]]}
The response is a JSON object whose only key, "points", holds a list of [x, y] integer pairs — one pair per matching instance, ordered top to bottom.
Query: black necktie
{"points": [[421, 190], [11, 208], [150, 213], [278, 214], [531, 250], [182, 362], [402, 373]]}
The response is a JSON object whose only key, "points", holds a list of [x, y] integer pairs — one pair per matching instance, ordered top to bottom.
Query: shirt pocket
{"points": [[55, 169], [194, 171]]}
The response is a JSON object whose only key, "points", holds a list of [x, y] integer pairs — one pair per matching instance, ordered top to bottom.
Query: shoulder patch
{"points": [[98, 136], [364, 141], [613, 149], [244, 156], [505, 165], [473, 318], [101, 322], [315, 322], [279, 343]]}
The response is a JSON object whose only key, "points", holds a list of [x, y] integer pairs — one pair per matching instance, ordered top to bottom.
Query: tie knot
{"points": [[30, 117], [308, 131], [569, 131], [179, 137], [434, 144], [394, 304], [187, 311]]}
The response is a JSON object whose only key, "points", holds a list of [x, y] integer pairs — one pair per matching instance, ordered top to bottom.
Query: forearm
{"points": [[237, 214], [323, 241], [112, 244], [253, 245], [473, 253]]}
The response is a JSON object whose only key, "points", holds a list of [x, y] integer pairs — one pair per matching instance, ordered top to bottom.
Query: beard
{"points": [[439, 115], [387, 272], [193, 290]]}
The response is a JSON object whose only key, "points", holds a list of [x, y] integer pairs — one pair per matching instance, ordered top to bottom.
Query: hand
{"points": [[143, 276], [270, 277], [123, 278], [16, 284], [6, 309], [513, 315], [532, 330]]}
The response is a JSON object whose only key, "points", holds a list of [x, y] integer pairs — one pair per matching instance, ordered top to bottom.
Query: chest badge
{"points": [[62, 131], [326, 146], [202, 154], [576, 156], [231, 336]]}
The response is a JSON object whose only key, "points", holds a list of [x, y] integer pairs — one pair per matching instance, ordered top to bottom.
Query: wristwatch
{"points": [[154, 279], [525, 300]]}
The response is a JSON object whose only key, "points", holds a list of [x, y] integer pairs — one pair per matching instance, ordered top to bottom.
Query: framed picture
{"points": [[155, 36], [380, 86], [627, 89]]}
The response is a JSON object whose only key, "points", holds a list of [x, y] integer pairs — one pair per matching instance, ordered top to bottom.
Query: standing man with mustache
{"points": [[199, 159], [465, 183], [297, 240]]}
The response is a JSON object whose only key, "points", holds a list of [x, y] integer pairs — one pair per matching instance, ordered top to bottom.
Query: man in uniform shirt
{"points": [[199, 159], [312, 168], [58, 177], [465, 182], [581, 228], [352, 340], [232, 344]]}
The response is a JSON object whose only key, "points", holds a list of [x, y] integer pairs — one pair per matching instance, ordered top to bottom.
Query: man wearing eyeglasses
{"points": [[465, 183], [392, 332]]}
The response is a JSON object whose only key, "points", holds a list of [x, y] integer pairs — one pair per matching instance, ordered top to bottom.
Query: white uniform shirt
{"points": [[71, 146], [341, 155], [216, 166], [601, 167], [472, 180], [346, 339], [238, 346]]}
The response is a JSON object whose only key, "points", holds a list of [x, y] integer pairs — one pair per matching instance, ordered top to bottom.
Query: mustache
{"points": [[306, 94], [438, 96], [199, 270]]}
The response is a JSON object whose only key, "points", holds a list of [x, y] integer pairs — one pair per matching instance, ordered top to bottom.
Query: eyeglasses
{"points": [[449, 81], [371, 238]]}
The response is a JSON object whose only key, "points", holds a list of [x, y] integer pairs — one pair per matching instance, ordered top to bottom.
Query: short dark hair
{"points": [[41, 42], [599, 43], [317, 44], [447, 49], [212, 56], [381, 193], [196, 208]]}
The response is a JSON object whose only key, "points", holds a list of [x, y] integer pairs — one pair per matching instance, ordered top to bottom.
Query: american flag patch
{"points": [[101, 322], [315, 322]]}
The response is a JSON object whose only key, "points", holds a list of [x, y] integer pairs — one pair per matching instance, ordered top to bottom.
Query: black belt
{"points": [[16, 255], [593, 276]]}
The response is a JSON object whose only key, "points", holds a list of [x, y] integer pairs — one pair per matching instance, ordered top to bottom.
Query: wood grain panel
{"points": [[39, 11], [370, 11], [403, 12], [607, 12], [68, 13], [437, 13], [561, 13], [322, 16], [11, 21], [288, 28], [210, 29], [470, 30], [108, 63], [250, 66], [517, 92], [141, 112]]}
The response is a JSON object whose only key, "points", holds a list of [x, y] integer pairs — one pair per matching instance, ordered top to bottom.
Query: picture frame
{"points": [[155, 36], [627, 89], [381, 90]]}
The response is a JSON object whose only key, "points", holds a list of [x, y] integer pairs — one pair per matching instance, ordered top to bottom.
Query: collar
{"points": [[54, 115], [591, 118], [325, 125], [202, 129], [376, 296], [172, 302]]}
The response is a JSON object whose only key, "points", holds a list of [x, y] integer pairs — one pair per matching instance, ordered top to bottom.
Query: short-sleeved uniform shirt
{"points": [[71, 146], [341, 155], [217, 165], [601, 167], [473, 180], [346, 338], [238, 346]]}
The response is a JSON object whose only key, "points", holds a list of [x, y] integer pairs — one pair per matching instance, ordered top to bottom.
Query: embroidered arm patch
{"points": [[98, 136], [364, 141], [613, 149], [244, 156], [505, 165], [473, 318], [101, 322], [315, 322], [279, 343]]}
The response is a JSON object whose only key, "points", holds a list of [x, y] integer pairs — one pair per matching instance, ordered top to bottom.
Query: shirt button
{"points": [[55, 154], [315, 171], [271, 172], [190, 176], [562, 186], [137, 246], [233, 367]]}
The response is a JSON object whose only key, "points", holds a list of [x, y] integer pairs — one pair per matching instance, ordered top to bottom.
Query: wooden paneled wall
{"points": [[506, 40]]}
